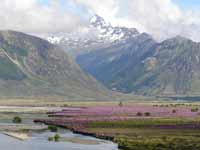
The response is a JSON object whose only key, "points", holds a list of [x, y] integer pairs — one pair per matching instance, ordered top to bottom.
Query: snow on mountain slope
{"points": [[98, 33]]}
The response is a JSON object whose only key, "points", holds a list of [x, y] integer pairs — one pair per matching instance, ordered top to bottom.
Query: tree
{"points": [[17, 119], [56, 137]]}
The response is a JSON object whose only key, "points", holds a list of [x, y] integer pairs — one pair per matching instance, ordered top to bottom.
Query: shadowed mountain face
{"points": [[131, 62], [120, 65], [30, 66], [145, 67], [176, 69]]}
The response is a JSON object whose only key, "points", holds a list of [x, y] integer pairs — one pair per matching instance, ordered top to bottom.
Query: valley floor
{"points": [[132, 125], [135, 126]]}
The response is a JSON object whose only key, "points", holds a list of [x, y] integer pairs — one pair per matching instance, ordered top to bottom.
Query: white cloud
{"points": [[101, 7], [104, 8], [31, 17], [161, 18]]}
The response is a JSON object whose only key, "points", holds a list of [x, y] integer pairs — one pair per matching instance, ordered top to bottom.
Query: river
{"points": [[38, 141]]}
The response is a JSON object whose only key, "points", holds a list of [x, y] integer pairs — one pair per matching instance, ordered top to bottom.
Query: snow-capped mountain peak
{"points": [[97, 21], [99, 32], [110, 33]]}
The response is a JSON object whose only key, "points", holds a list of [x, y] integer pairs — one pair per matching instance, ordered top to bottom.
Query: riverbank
{"points": [[22, 127], [138, 127], [27, 131], [18, 135], [141, 135], [69, 141], [82, 141]]}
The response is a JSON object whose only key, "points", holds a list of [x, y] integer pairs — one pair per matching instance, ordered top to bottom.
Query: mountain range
{"points": [[98, 34], [125, 60], [30, 66]]}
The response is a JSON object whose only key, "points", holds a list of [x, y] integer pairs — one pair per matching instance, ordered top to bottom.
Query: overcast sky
{"points": [[161, 18]]}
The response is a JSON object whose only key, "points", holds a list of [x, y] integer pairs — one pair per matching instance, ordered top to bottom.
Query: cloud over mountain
{"points": [[161, 18]]}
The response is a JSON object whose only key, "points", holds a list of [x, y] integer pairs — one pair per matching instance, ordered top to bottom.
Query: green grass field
{"points": [[144, 134]]}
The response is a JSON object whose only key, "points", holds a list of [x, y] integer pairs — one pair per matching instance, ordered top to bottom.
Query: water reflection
{"points": [[39, 141]]}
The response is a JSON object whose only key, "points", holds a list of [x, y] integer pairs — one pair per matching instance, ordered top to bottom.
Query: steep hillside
{"points": [[131, 62], [120, 65], [30, 66], [143, 66], [173, 69]]}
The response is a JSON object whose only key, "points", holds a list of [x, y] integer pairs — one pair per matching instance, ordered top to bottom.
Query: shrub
{"points": [[65, 105], [194, 110], [173, 111], [139, 114], [147, 114], [17, 119], [52, 128], [56, 137], [50, 138], [166, 143]]}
